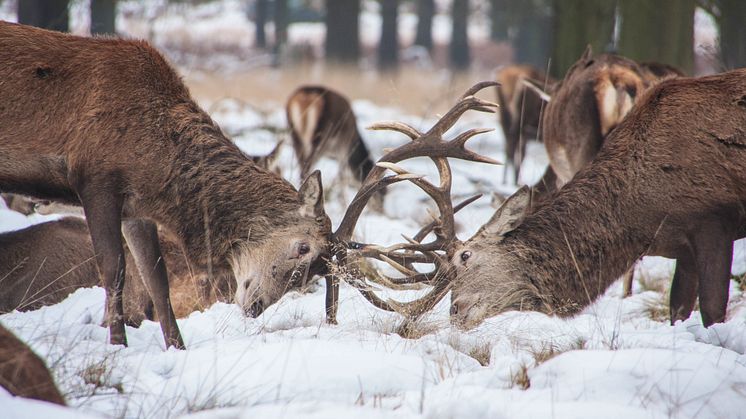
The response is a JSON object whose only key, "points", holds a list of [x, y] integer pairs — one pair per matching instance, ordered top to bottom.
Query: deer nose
{"points": [[454, 309]]}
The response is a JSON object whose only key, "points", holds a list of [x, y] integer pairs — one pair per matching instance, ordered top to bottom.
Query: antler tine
{"points": [[479, 86], [468, 101], [405, 129], [370, 186], [429, 227]]}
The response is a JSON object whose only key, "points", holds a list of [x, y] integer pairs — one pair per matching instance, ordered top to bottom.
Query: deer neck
{"points": [[214, 196], [572, 250]]}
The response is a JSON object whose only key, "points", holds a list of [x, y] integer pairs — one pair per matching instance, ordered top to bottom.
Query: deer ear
{"points": [[587, 54], [312, 196], [510, 214]]}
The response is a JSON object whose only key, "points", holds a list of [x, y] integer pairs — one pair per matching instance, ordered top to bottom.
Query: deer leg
{"points": [[103, 210], [142, 238], [714, 255], [684, 286]]}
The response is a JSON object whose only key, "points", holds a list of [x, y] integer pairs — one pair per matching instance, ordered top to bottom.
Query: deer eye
{"points": [[303, 249], [465, 256]]}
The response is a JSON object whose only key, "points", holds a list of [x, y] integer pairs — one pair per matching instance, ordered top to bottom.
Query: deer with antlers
{"points": [[108, 125], [670, 180]]}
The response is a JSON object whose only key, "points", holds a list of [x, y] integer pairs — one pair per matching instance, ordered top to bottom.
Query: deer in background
{"points": [[593, 98], [520, 111], [322, 123], [107, 124], [670, 180], [41, 264], [23, 373]]}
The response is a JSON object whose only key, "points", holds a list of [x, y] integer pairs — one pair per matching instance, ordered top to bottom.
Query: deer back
{"points": [[586, 105], [322, 123]]}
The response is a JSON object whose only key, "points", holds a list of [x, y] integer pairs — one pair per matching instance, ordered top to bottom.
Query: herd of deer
{"points": [[643, 161]]}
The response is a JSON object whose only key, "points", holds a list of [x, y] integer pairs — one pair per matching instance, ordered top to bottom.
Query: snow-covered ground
{"points": [[619, 358]]}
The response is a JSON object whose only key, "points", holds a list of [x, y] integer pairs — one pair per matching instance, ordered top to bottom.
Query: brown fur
{"points": [[592, 99], [520, 111], [322, 123], [108, 124], [669, 181], [42, 264], [23, 373]]}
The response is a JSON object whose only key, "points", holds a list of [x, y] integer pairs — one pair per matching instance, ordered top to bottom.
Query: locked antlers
{"points": [[402, 256]]}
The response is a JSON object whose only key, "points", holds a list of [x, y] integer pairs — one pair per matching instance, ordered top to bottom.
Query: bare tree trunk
{"points": [[425, 13], [48, 14], [103, 16], [499, 19], [260, 20], [732, 22], [577, 24], [281, 30], [342, 31], [661, 31], [388, 46], [459, 50]]}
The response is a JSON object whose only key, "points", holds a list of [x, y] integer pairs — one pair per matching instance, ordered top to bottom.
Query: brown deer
{"points": [[593, 98], [520, 111], [322, 123], [109, 125], [670, 180], [41, 264], [23, 373]]}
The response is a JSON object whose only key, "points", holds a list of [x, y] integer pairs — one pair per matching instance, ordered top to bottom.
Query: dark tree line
{"points": [[55, 15], [645, 30]]}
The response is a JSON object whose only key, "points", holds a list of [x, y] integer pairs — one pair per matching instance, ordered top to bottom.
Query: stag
{"points": [[521, 111], [107, 124], [670, 180], [350, 254]]}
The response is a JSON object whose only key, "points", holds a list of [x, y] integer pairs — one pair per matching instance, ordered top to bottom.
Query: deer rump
{"points": [[322, 123]]}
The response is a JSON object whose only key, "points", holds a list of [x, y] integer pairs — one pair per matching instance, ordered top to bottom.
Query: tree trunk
{"points": [[425, 13], [48, 14], [103, 16], [260, 20], [499, 20], [577, 24], [732, 24], [281, 30], [342, 31], [661, 31], [388, 46], [459, 50]]}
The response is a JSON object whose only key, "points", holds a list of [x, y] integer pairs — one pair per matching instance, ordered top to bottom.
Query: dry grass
{"points": [[414, 90], [657, 308], [482, 353], [519, 379]]}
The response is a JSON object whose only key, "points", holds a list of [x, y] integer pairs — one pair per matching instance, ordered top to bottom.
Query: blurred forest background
{"points": [[407, 45]]}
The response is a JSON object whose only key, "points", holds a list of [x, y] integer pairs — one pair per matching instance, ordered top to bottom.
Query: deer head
{"points": [[266, 269]]}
